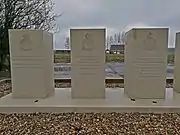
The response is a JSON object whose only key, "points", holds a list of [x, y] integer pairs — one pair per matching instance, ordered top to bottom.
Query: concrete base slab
{"points": [[115, 101]]}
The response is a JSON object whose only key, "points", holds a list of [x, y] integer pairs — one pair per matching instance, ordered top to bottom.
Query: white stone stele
{"points": [[31, 55], [146, 62], [88, 63], [177, 64], [115, 101]]}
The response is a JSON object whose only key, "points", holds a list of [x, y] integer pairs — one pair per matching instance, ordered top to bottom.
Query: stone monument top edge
{"points": [[87, 28], [150, 28], [24, 30], [177, 33]]}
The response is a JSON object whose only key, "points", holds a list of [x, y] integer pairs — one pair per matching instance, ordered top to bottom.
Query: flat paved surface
{"points": [[114, 70], [115, 101]]}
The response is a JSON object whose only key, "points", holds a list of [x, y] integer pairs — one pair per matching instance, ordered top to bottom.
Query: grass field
{"points": [[62, 58], [66, 58], [170, 58]]}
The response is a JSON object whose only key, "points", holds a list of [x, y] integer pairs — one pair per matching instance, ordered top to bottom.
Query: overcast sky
{"points": [[116, 15]]}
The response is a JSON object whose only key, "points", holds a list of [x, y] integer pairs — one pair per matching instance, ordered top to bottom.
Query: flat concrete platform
{"points": [[115, 101]]}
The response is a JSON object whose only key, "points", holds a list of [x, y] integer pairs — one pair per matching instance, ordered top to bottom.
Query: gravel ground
{"points": [[5, 88], [87, 123], [90, 124]]}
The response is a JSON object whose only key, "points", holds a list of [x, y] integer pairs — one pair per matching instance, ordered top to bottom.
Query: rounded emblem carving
{"points": [[150, 42], [25, 43], [87, 43]]}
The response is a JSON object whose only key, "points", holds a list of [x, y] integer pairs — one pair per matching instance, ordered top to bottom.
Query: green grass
{"points": [[114, 57], [62, 58], [66, 58], [170, 58]]}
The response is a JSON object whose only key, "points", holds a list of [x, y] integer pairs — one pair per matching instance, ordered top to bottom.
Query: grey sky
{"points": [[116, 15]]}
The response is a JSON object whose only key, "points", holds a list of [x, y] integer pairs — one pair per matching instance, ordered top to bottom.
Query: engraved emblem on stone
{"points": [[150, 42], [25, 43], [87, 43]]}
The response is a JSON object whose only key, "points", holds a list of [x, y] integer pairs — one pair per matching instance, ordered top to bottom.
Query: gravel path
{"points": [[5, 89], [90, 124]]}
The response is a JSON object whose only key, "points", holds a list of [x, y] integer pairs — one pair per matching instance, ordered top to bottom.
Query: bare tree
{"points": [[24, 14], [28, 14], [123, 37], [116, 38], [119, 38], [111, 40], [67, 43], [107, 43]]}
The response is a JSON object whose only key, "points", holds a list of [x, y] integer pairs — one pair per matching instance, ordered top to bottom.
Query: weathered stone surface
{"points": [[146, 62], [88, 63], [32, 70]]}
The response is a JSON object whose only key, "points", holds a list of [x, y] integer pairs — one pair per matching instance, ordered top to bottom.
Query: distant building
{"points": [[117, 49], [171, 50]]}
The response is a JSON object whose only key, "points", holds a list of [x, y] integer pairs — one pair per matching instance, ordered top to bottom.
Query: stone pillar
{"points": [[31, 55], [88, 63], [146, 63], [177, 64]]}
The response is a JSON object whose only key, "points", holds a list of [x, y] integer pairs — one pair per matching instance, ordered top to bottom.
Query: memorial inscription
{"points": [[145, 62], [88, 63], [150, 67]]}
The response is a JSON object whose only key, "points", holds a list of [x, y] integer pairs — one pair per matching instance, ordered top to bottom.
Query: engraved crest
{"points": [[150, 42], [25, 43], [87, 43]]}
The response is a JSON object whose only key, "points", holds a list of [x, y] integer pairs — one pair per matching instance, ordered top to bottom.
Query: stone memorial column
{"points": [[31, 55], [88, 63], [146, 63], [177, 64]]}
